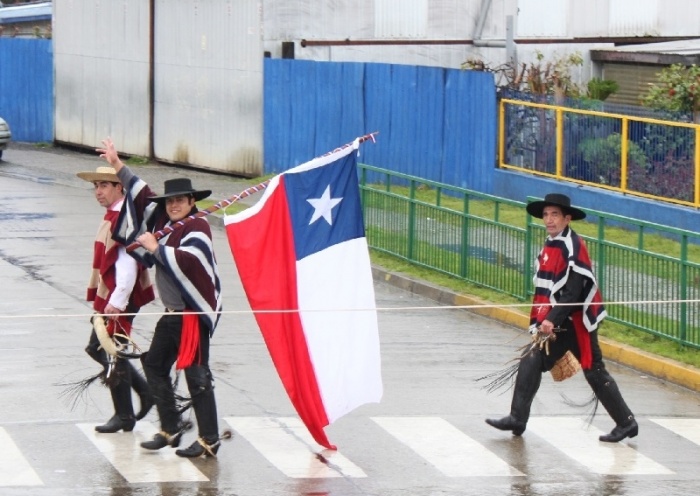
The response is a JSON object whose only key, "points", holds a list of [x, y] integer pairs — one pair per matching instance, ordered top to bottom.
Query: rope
{"points": [[243, 194], [378, 309]]}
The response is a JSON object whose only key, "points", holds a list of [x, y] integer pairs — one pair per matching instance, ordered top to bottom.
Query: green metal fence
{"points": [[649, 274]]}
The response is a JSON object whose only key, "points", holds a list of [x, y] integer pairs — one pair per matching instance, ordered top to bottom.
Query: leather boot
{"points": [[527, 382], [140, 387], [201, 388], [607, 392], [163, 393], [123, 418], [116, 424], [163, 439], [201, 447]]}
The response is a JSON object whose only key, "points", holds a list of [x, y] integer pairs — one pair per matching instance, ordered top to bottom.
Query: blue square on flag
{"points": [[324, 206]]}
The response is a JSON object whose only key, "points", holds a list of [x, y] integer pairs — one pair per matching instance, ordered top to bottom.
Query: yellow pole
{"points": [[501, 134], [560, 142], [623, 155], [697, 166]]}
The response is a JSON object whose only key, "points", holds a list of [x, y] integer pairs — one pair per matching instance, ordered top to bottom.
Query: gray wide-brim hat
{"points": [[102, 173], [179, 187], [536, 208]]}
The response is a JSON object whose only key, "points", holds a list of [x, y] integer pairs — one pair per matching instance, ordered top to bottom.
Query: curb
{"points": [[662, 368]]}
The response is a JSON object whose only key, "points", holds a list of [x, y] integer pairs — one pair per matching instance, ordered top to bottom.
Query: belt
{"points": [[171, 310]]}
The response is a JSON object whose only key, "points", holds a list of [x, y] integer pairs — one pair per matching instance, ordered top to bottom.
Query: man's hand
{"points": [[109, 153], [148, 241], [112, 311], [546, 327]]}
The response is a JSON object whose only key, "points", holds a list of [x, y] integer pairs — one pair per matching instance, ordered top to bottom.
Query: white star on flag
{"points": [[323, 206]]}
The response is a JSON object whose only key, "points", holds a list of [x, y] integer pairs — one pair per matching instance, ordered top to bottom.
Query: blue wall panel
{"points": [[26, 88], [411, 107], [277, 111], [470, 130]]}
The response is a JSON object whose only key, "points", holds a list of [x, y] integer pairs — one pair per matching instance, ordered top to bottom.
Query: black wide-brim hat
{"points": [[179, 187], [536, 208]]}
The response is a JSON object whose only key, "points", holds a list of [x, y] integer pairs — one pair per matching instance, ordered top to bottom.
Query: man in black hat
{"points": [[189, 287], [566, 312]]}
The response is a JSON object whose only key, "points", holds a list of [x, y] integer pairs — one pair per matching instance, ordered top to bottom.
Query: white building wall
{"points": [[431, 20], [101, 73], [206, 74], [208, 84]]}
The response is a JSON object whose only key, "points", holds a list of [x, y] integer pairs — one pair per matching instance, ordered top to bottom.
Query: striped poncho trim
{"points": [[187, 253], [561, 255]]}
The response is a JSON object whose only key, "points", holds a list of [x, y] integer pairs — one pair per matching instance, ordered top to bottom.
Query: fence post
{"points": [[411, 220], [527, 273], [684, 288]]}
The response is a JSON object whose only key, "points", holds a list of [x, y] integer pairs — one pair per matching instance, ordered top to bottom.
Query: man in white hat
{"points": [[118, 285], [567, 310]]}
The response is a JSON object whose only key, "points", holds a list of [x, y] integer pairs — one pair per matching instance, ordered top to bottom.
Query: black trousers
{"points": [[566, 341], [158, 363], [124, 375]]}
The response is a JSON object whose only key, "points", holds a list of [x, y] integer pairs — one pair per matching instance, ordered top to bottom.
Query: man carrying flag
{"points": [[302, 257]]}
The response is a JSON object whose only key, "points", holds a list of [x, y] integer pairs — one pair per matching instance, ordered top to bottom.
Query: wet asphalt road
{"points": [[426, 437]]}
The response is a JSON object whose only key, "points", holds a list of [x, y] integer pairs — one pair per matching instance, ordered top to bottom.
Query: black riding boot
{"points": [[527, 382], [141, 388], [201, 388], [120, 389], [607, 392]]}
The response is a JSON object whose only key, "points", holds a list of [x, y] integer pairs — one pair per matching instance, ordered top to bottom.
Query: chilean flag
{"points": [[303, 260]]}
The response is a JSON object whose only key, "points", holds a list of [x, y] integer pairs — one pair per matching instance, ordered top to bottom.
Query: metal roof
{"points": [[31, 12], [670, 52]]}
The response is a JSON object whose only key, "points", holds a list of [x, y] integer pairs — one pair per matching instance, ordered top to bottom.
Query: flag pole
{"points": [[243, 194]]}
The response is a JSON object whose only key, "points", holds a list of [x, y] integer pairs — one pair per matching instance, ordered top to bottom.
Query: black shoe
{"points": [[146, 405], [508, 423], [116, 424], [620, 432], [163, 439], [200, 448]]}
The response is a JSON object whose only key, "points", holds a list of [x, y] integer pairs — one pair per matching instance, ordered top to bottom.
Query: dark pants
{"points": [[566, 341], [158, 363], [123, 376], [599, 379]]}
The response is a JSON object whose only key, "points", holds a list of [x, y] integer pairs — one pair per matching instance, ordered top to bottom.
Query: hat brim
{"points": [[94, 177], [198, 195], [536, 209]]}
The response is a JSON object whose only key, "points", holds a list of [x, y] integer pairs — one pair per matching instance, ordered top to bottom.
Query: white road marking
{"points": [[688, 428], [579, 441], [287, 444], [447, 448], [138, 465], [14, 468]]}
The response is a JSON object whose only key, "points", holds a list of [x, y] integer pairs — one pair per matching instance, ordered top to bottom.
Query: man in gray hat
{"points": [[118, 285], [189, 287], [566, 312]]}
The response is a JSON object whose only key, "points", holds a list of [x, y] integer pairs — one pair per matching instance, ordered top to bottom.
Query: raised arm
{"points": [[109, 153]]}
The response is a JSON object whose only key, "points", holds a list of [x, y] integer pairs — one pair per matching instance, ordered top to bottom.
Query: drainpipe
{"points": [[479, 29]]}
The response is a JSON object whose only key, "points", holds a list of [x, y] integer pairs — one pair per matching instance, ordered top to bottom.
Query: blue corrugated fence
{"points": [[26, 88], [435, 123]]}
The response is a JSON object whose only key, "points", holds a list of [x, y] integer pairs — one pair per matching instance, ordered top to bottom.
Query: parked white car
{"points": [[5, 135]]}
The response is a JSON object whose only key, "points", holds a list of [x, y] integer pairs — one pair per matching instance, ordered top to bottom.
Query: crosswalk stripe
{"points": [[688, 428], [579, 441], [286, 444], [444, 446], [138, 465], [14, 468]]}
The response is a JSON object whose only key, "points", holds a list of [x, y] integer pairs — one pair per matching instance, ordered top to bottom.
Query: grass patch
{"points": [[136, 160]]}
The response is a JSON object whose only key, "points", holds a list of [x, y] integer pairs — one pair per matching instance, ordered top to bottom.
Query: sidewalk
{"points": [[56, 165]]}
